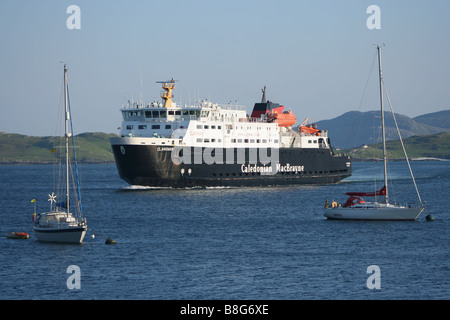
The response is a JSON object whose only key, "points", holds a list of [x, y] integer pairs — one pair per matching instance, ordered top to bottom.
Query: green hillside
{"points": [[431, 146], [95, 147], [17, 148]]}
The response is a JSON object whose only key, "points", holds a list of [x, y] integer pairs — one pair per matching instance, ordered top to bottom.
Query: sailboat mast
{"points": [[66, 125], [382, 125]]}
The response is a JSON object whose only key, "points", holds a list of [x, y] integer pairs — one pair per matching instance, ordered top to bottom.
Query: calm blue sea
{"points": [[226, 243]]}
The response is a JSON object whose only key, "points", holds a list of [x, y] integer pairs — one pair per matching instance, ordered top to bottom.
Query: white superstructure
{"points": [[210, 125]]}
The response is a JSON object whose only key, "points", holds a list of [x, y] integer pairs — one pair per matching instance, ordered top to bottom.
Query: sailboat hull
{"points": [[389, 213], [62, 235]]}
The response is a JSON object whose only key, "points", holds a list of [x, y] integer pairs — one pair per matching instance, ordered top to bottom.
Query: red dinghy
{"points": [[17, 235]]}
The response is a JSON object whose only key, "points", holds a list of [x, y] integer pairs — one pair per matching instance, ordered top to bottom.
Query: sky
{"points": [[314, 56]]}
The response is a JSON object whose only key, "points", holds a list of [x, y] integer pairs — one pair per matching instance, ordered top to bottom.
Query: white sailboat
{"points": [[356, 208], [59, 224]]}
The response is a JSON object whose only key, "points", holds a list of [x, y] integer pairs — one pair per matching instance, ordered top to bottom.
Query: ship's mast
{"points": [[167, 96], [66, 125], [382, 125]]}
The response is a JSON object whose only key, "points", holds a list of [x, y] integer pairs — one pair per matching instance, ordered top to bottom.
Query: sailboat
{"points": [[357, 208], [59, 224]]}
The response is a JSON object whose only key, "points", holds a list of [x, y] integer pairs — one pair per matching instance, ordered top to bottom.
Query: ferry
{"points": [[163, 144]]}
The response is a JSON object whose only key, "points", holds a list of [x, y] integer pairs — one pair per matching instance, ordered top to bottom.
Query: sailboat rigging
{"points": [[356, 208], [59, 224]]}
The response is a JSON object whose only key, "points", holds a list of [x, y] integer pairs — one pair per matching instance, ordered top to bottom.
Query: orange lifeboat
{"points": [[285, 119], [311, 129]]}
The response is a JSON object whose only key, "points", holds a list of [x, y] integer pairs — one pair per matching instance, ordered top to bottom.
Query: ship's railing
{"points": [[140, 105], [198, 105], [232, 107], [250, 119]]}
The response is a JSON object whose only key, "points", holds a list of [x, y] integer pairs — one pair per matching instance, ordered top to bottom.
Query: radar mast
{"points": [[167, 96]]}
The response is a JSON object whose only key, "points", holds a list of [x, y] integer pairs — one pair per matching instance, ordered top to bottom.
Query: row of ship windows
{"points": [[160, 113], [169, 126], [199, 126], [154, 127], [228, 127], [207, 140]]}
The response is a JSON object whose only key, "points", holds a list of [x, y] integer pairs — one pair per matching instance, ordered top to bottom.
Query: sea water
{"points": [[227, 243]]}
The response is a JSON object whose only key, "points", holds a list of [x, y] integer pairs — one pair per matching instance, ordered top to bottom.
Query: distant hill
{"points": [[440, 119], [354, 128], [431, 146], [17, 148]]}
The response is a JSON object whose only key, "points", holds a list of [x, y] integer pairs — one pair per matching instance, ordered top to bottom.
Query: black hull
{"points": [[152, 165]]}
